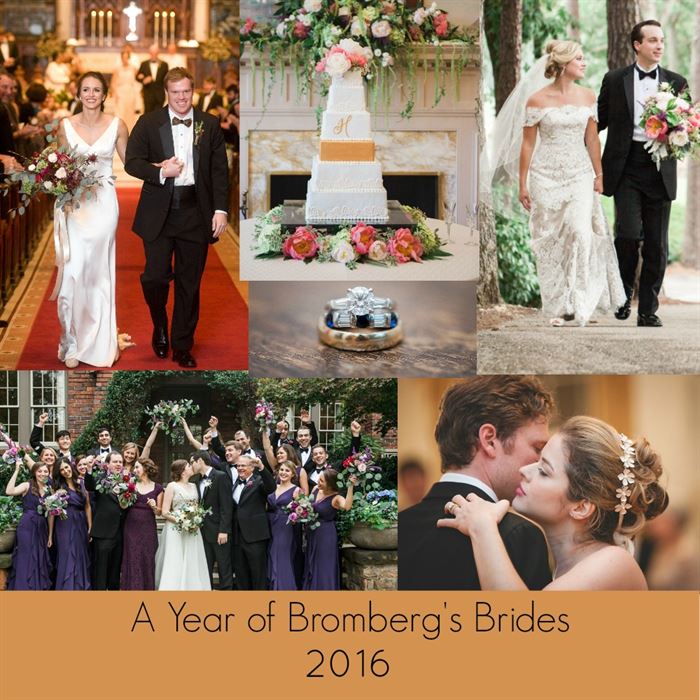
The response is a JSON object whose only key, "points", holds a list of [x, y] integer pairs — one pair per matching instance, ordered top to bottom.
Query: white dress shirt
{"points": [[153, 65], [643, 89], [182, 141], [304, 456], [315, 473], [456, 478], [201, 482], [238, 490]]}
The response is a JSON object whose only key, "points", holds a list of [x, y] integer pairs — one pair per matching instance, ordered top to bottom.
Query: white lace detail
{"points": [[576, 260]]}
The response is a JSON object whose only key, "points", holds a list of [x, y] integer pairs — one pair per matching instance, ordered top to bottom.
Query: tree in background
{"points": [[622, 16]]}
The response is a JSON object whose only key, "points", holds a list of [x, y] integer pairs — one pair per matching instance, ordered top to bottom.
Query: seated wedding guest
{"points": [[209, 98], [488, 428], [63, 438], [104, 440], [285, 453], [130, 455], [319, 456], [592, 491], [215, 495], [107, 531], [251, 531], [70, 536], [285, 540], [30, 557], [322, 564], [138, 571]]}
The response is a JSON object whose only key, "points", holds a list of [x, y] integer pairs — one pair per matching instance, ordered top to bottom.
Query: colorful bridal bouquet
{"points": [[672, 125], [60, 172], [351, 244], [171, 413], [264, 413], [14, 454], [360, 465], [120, 484], [55, 504], [300, 511], [190, 517]]}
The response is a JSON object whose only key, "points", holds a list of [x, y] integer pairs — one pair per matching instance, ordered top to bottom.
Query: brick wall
{"points": [[86, 393]]}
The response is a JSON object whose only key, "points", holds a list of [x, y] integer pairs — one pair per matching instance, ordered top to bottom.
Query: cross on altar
{"points": [[132, 12]]}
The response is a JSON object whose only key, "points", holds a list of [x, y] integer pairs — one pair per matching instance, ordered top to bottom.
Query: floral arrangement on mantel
{"points": [[306, 32], [351, 244]]}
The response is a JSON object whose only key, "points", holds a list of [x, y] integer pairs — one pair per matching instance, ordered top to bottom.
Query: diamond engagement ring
{"points": [[360, 321]]}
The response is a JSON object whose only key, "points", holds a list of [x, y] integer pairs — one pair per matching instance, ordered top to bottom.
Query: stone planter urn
{"points": [[366, 537], [7, 540]]}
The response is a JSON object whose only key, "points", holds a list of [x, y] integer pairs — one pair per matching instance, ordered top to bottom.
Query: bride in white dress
{"points": [[551, 136], [85, 237], [181, 564]]}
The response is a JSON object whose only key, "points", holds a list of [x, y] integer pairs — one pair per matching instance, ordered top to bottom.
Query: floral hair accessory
{"points": [[626, 477]]}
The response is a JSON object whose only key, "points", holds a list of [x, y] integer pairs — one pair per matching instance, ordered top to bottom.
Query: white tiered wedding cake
{"points": [[346, 179]]}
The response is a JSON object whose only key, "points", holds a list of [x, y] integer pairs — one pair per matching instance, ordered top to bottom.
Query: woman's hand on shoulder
{"points": [[472, 513]]}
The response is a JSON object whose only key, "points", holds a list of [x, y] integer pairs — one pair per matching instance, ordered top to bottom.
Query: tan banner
{"points": [[399, 645]]}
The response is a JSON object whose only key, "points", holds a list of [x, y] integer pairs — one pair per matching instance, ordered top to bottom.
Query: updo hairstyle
{"points": [[559, 54], [594, 450]]}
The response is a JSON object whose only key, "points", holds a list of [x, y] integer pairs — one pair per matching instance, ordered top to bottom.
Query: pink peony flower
{"points": [[440, 24], [248, 26], [655, 128], [362, 235], [300, 245], [404, 246], [378, 251]]}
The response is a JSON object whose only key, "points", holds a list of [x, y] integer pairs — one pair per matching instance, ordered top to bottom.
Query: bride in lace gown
{"points": [[560, 175], [85, 237], [181, 564]]}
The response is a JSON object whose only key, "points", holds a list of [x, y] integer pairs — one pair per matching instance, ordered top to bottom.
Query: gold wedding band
{"points": [[359, 339]]}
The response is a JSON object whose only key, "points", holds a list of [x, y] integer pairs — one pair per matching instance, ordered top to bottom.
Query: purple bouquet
{"points": [[264, 413], [55, 504], [301, 511]]}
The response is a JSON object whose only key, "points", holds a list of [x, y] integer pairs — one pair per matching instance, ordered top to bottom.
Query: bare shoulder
{"points": [[588, 96], [538, 99], [609, 568]]}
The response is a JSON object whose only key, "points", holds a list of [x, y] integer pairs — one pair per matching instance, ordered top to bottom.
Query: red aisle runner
{"points": [[221, 341]]}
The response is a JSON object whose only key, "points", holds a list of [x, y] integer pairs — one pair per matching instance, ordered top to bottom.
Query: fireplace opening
{"points": [[421, 190]]}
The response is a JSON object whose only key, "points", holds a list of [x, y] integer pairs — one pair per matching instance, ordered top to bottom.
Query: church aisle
{"points": [[222, 338]]}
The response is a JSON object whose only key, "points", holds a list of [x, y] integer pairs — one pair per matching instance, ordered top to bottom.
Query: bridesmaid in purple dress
{"points": [[285, 453], [140, 532], [72, 534], [286, 539], [30, 559], [322, 570]]}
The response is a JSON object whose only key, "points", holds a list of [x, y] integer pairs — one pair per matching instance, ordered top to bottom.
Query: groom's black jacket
{"points": [[616, 114], [151, 141], [219, 498], [432, 558]]}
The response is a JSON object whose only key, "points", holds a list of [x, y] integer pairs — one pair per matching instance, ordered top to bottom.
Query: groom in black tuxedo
{"points": [[180, 154], [643, 194], [488, 428], [214, 491]]}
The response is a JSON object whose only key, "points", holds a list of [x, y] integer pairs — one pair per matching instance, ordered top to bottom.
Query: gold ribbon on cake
{"points": [[347, 150]]}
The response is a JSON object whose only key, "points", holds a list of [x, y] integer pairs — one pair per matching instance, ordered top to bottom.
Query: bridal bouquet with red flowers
{"points": [[672, 125], [60, 172], [264, 413], [360, 465], [120, 484], [300, 511]]}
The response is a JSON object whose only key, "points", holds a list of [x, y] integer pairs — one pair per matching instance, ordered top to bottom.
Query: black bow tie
{"points": [[651, 74], [177, 120], [304, 450], [318, 470], [241, 482]]}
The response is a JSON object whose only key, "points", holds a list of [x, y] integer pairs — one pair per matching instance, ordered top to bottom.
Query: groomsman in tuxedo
{"points": [[151, 75], [209, 98], [643, 193], [488, 428], [63, 438], [309, 439], [243, 440], [104, 444], [319, 457], [214, 491], [251, 530], [106, 531]]}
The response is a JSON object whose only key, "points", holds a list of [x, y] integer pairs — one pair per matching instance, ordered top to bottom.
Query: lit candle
{"points": [[156, 16], [164, 19], [93, 20], [102, 27], [109, 27], [172, 27]]}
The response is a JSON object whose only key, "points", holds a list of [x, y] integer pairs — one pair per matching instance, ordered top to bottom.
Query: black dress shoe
{"points": [[623, 313], [569, 317], [649, 320], [159, 342], [184, 359]]}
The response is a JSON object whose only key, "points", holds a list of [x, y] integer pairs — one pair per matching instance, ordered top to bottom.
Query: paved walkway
{"points": [[512, 340]]}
